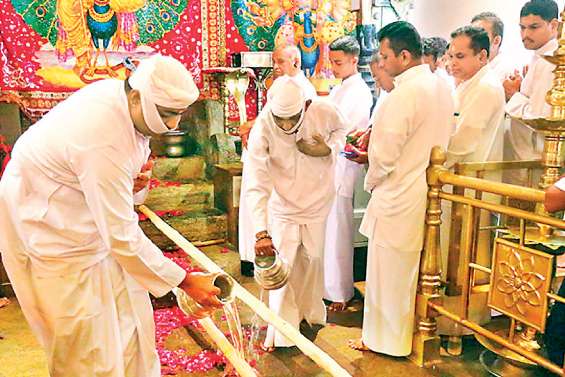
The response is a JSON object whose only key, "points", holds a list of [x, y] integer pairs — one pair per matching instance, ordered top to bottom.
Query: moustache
{"points": [[527, 40]]}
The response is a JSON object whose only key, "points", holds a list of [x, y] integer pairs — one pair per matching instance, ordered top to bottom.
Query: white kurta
{"points": [[503, 66], [354, 99], [528, 103], [479, 113], [414, 117], [478, 137], [299, 191], [246, 236], [79, 263]]}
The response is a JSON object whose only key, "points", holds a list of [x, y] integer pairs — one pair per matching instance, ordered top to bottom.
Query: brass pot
{"points": [[175, 143], [271, 272], [192, 308]]}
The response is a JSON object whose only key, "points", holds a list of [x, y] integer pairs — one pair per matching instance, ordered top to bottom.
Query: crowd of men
{"points": [[299, 181], [82, 269]]}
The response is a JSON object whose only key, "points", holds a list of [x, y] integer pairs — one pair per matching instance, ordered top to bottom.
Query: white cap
{"points": [[164, 81], [286, 97]]}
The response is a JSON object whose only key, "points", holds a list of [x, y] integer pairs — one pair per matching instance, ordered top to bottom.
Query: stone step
{"points": [[180, 169], [192, 196], [196, 226]]}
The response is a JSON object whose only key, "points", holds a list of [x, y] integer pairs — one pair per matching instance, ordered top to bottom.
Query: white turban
{"points": [[164, 81], [286, 97]]}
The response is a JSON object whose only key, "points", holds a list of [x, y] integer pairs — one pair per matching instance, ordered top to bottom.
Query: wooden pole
{"points": [[307, 347], [241, 366]]}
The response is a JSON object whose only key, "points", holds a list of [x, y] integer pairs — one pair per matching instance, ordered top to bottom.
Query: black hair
{"points": [[546, 9], [495, 21], [402, 36], [478, 36], [347, 44], [434, 46]]}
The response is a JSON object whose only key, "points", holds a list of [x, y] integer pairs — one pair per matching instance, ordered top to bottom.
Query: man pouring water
{"points": [[292, 152]]}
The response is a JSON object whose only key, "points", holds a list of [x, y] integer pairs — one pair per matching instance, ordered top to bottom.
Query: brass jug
{"points": [[271, 272], [192, 308]]}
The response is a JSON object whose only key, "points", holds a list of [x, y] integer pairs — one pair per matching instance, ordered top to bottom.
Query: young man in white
{"points": [[286, 62], [526, 97], [354, 99], [415, 116], [291, 162], [79, 264]]}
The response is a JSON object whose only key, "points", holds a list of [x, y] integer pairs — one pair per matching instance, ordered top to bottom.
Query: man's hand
{"points": [[512, 85], [363, 142], [318, 149], [358, 156], [142, 179], [264, 247], [200, 286]]}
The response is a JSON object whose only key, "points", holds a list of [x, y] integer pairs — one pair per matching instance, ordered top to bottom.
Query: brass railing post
{"points": [[426, 342]]}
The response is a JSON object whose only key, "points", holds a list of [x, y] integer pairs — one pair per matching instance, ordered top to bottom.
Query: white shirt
{"points": [[502, 66], [354, 99], [529, 103], [479, 112], [413, 118], [300, 187], [74, 205]]}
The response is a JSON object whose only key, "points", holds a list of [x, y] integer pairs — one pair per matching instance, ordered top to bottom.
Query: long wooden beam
{"points": [[306, 346]]}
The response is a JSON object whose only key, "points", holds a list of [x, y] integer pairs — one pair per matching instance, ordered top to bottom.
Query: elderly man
{"points": [[494, 27], [286, 62], [526, 98], [354, 99], [413, 118], [291, 162], [78, 261]]}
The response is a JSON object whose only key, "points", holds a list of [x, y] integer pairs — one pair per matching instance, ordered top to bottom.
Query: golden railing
{"points": [[430, 297]]}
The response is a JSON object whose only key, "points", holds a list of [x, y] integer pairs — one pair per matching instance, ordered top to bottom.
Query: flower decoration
{"points": [[519, 282]]}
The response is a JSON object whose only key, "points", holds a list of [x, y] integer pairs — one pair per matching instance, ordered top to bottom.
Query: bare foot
{"points": [[337, 306], [357, 344], [267, 349]]}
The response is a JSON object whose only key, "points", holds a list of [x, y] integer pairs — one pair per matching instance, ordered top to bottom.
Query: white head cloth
{"points": [[164, 81], [286, 97]]}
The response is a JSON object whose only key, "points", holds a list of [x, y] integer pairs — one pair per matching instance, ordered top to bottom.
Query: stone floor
{"points": [[20, 355]]}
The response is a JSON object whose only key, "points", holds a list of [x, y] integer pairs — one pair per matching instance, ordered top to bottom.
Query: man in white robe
{"points": [[286, 62], [500, 63], [526, 98], [354, 99], [479, 100], [415, 116], [478, 136], [291, 162], [78, 261]]}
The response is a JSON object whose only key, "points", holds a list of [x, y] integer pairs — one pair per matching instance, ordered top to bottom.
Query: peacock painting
{"points": [[86, 29]]}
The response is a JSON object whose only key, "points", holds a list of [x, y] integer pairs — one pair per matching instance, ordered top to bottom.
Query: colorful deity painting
{"points": [[311, 24], [90, 38]]}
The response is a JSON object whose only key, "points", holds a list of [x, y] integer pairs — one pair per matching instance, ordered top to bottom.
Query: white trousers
{"points": [[246, 236], [338, 253], [390, 297], [301, 298], [97, 322]]}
